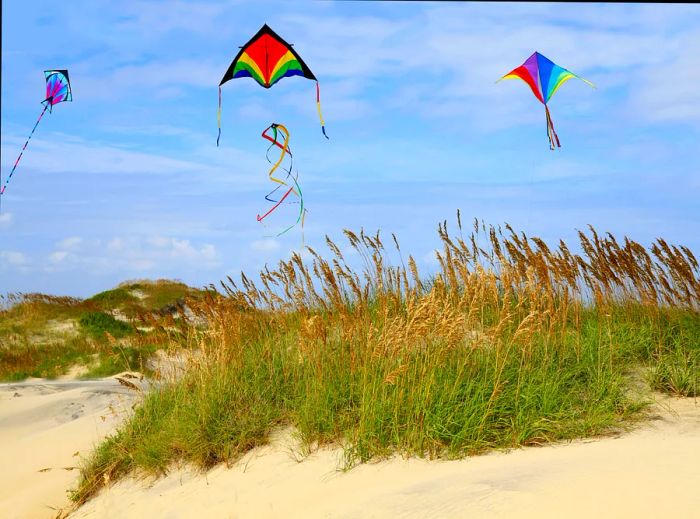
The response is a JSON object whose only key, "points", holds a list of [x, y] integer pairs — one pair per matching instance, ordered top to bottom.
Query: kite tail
{"points": [[318, 107], [218, 118], [551, 133], [284, 147], [7, 181], [295, 189], [261, 218]]}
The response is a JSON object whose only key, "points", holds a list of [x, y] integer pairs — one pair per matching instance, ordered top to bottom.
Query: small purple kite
{"points": [[57, 91]]}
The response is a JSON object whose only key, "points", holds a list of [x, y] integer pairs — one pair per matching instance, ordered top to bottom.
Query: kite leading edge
{"points": [[267, 58], [544, 78], [58, 90]]}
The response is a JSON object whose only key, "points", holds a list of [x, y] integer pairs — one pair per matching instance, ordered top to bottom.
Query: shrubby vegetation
{"points": [[510, 343]]}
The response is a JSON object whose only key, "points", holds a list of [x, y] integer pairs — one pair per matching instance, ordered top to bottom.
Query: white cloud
{"points": [[155, 18], [159, 79], [669, 91], [58, 153], [62, 154], [5, 219], [70, 243], [115, 245], [266, 245], [57, 256], [132, 256], [13, 258]]}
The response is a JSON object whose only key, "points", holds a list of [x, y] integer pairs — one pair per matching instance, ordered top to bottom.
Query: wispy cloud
{"points": [[152, 19], [158, 79], [669, 91], [56, 153], [5, 220], [71, 243], [266, 245], [152, 254], [9, 258]]}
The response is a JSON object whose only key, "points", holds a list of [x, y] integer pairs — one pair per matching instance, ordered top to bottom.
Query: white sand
{"points": [[50, 425], [651, 472]]}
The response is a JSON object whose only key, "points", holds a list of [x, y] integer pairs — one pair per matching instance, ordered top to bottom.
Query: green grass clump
{"points": [[155, 295], [114, 298], [97, 324], [509, 344], [118, 358], [677, 372]]}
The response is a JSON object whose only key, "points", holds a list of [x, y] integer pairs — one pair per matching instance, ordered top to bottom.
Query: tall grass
{"points": [[509, 343]]}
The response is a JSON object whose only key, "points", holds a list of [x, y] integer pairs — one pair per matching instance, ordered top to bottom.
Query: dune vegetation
{"points": [[45, 336], [509, 343]]}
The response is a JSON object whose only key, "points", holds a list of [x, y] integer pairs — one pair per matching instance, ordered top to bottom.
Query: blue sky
{"points": [[126, 182]]}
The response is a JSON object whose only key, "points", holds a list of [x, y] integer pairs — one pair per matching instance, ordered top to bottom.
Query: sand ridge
{"points": [[653, 471]]}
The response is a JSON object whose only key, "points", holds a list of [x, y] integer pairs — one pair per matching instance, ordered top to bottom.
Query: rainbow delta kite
{"points": [[267, 58], [544, 78], [57, 91]]}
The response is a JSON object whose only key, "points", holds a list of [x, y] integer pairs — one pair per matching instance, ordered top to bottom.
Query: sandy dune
{"points": [[45, 426], [651, 472]]}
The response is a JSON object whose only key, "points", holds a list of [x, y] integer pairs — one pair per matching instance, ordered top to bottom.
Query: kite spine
{"points": [[7, 181]]}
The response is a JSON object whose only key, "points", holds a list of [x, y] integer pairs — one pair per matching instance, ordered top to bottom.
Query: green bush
{"points": [[113, 298], [97, 323]]}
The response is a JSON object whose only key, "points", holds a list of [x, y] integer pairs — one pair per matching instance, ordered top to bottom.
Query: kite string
{"points": [[7, 181]]}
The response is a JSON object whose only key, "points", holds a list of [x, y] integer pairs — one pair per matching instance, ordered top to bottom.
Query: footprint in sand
{"points": [[72, 411]]}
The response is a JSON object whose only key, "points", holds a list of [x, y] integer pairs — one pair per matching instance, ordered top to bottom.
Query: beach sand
{"points": [[45, 427], [653, 471]]}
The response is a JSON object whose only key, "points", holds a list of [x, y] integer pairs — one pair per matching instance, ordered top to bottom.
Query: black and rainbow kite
{"points": [[267, 58]]}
